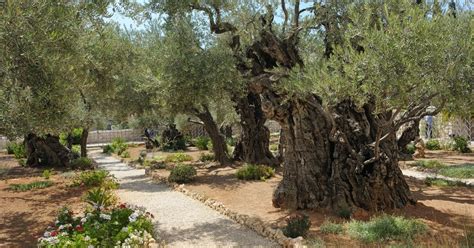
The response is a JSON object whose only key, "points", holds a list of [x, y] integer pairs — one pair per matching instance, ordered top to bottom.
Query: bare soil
{"points": [[448, 211], [25, 215]]}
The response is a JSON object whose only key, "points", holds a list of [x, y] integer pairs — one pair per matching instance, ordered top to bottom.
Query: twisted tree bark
{"points": [[253, 144], [47, 151]]}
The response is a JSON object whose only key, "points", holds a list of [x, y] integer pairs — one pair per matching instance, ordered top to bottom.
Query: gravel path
{"points": [[421, 175], [181, 221]]}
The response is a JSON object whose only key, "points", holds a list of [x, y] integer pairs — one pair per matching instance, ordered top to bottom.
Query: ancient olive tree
{"points": [[195, 74], [342, 79]]}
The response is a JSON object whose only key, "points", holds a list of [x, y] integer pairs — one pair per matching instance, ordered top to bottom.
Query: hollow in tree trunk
{"points": [[410, 133], [84, 136], [253, 144], [219, 146], [46, 151], [328, 160]]}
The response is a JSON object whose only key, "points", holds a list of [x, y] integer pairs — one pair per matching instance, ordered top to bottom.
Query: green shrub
{"points": [[76, 135], [201, 142], [433, 144], [461, 144], [118, 145], [210, 145], [17, 149], [76, 149], [107, 149], [411, 149], [125, 154], [205, 157], [178, 158], [22, 162], [82, 163], [429, 164], [458, 171], [255, 172], [182, 173], [46, 174], [95, 178], [431, 181], [31, 186], [100, 197], [344, 213], [297, 225], [118, 226], [331, 227], [386, 227]]}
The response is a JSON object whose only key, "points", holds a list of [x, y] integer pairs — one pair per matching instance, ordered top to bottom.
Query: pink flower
{"points": [[79, 228], [53, 233]]}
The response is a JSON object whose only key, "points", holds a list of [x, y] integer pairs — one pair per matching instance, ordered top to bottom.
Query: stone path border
{"points": [[422, 175], [180, 220], [253, 223]]}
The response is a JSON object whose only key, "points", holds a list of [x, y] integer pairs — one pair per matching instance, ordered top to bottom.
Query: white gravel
{"points": [[422, 175], [180, 220]]}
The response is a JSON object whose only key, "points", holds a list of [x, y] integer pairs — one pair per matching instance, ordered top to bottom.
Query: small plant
{"points": [[230, 141], [201, 142], [433, 144], [461, 144], [118, 145], [274, 147], [17, 149], [76, 149], [107, 149], [411, 149], [125, 154], [206, 157], [178, 158], [22, 162], [82, 163], [429, 164], [458, 171], [255, 172], [182, 173], [46, 174], [95, 178], [431, 181], [31, 186], [100, 197], [344, 213], [296, 226], [332, 227], [386, 227], [467, 241]]}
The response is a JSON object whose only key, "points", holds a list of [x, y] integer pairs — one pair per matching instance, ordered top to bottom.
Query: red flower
{"points": [[123, 205], [79, 228], [54, 233]]}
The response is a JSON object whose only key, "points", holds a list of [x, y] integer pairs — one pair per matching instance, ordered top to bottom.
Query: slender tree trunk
{"points": [[84, 136], [69, 140], [253, 144], [219, 145], [47, 151], [324, 160]]}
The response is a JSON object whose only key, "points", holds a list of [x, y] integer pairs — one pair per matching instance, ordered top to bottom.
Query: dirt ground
{"points": [[449, 212], [25, 215]]}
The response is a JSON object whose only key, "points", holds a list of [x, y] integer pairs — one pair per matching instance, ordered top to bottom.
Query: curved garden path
{"points": [[180, 220]]}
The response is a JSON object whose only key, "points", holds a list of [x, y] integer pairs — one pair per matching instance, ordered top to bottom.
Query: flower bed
{"points": [[120, 226]]}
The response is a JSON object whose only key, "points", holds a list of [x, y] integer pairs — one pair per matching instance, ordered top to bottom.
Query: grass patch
{"points": [[206, 157], [178, 158], [429, 164], [461, 171], [255, 172], [431, 181], [30, 186], [331, 227], [386, 227]]}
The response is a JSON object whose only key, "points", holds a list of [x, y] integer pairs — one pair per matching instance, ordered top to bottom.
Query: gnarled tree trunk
{"points": [[253, 144], [219, 146], [47, 151], [329, 160]]}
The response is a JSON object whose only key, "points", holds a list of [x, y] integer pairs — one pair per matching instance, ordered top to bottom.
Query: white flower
{"points": [[105, 216], [133, 217], [83, 220], [56, 222], [61, 227], [124, 229], [47, 234], [87, 238], [90, 246]]}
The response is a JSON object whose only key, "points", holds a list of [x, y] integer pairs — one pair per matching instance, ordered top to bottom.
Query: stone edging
{"points": [[251, 222]]}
